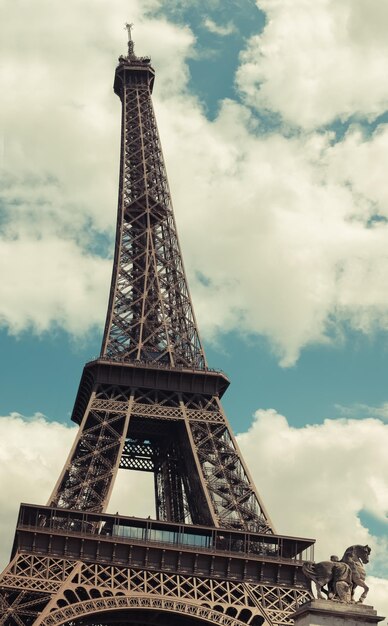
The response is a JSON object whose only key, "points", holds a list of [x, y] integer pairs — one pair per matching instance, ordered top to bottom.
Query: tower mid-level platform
{"points": [[150, 375], [57, 531]]}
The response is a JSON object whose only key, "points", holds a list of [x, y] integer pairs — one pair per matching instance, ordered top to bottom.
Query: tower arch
{"points": [[157, 611]]}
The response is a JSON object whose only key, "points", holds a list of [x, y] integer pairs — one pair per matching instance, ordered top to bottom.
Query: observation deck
{"points": [[163, 546]]}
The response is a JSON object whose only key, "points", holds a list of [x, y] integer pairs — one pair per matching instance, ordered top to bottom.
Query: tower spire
{"points": [[131, 45]]}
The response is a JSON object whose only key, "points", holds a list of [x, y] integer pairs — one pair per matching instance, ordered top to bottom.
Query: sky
{"points": [[273, 118]]}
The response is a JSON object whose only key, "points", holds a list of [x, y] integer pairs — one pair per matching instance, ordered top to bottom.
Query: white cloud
{"points": [[219, 29], [315, 62], [359, 162], [290, 253], [51, 281], [362, 410], [32, 454], [314, 480], [133, 494], [378, 595]]}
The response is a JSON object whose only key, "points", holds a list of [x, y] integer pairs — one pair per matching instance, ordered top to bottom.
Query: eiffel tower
{"points": [[150, 403]]}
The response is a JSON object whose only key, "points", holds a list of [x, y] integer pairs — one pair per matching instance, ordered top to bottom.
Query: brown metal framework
{"points": [[150, 315], [150, 403], [95, 568]]}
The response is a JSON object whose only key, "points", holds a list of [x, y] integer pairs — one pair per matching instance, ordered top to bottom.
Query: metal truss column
{"points": [[89, 473]]}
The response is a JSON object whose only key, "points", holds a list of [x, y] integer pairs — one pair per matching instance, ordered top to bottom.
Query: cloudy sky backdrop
{"points": [[273, 119]]}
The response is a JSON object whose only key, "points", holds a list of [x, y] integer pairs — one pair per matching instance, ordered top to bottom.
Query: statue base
{"points": [[330, 613]]}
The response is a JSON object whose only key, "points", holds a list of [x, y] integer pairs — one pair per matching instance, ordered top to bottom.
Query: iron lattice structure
{"points": [[150, 314], [150, 403]]}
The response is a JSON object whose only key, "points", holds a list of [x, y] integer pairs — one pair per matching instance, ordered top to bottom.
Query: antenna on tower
{"points": [[131, 47]]}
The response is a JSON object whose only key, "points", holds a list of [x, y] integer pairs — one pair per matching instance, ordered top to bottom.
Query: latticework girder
{"points": [[150, 315], [183, 438], [51, 591]]}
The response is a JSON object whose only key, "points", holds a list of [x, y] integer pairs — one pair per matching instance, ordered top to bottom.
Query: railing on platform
{"points": [[153, 364], [140, 530]]}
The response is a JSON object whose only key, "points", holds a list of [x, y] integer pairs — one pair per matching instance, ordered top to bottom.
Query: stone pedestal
{"points": [[329, 613]]}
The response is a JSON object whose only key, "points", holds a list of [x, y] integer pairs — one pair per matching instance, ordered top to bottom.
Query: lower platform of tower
{"points": [[73, 567]]}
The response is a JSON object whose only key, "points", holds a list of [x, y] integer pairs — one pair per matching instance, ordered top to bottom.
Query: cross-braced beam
{"points": [[150, 315]]}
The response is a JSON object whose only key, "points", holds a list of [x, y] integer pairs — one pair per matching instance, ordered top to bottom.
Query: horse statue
{"points": [[341, 576]]}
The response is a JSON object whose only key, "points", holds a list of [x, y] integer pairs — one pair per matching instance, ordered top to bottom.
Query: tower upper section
{"points": [[133, 69], [150, 315]]}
